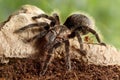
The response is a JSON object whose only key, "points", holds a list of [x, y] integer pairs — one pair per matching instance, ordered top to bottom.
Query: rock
{"points": [[13, 45], [99, 55]]}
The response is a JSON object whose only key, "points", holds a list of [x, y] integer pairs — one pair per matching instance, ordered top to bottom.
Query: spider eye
{"points": [[52, 23], [47, 27]]}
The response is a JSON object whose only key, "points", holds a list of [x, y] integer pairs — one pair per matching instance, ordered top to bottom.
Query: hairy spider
{"points": [[56, 34]]}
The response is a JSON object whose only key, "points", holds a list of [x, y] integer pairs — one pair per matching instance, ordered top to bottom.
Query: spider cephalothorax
{"points": [[76, 24]]}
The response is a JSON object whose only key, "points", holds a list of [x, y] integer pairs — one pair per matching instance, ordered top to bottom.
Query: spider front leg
{"points": [[40, 16], [54, 18], [41, 25], [38, 36], [67, 51], [49, 58]]}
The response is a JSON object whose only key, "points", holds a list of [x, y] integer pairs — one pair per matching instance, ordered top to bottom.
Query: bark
{"points": [[13, 45]]}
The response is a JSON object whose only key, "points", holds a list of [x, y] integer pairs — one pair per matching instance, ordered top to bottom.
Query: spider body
{"points": [[56, 34]]}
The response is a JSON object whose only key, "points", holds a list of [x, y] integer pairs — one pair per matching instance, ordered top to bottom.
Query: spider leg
{"points": [[55, 15], [40, 16], [53, 20], [42, 25], [76, 33], [40, 35], [49, 35], [96, 35], [79, 40], [82, 51], [49, 58], [68, 61]]}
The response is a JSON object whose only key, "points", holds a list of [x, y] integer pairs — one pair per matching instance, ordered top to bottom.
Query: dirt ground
{"points": [[28, 69]]}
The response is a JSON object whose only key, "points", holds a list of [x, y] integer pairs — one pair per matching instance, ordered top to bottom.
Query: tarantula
{"points": [[76, 24]]}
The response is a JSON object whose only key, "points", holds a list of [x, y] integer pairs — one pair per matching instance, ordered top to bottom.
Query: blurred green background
{"points": [[105, 12]]}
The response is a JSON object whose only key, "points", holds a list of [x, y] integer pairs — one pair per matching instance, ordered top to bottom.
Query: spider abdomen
{"points": [[77, 20]]}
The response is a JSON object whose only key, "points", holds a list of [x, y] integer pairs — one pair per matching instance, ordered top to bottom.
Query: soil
{"points": [[29, 69]]}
